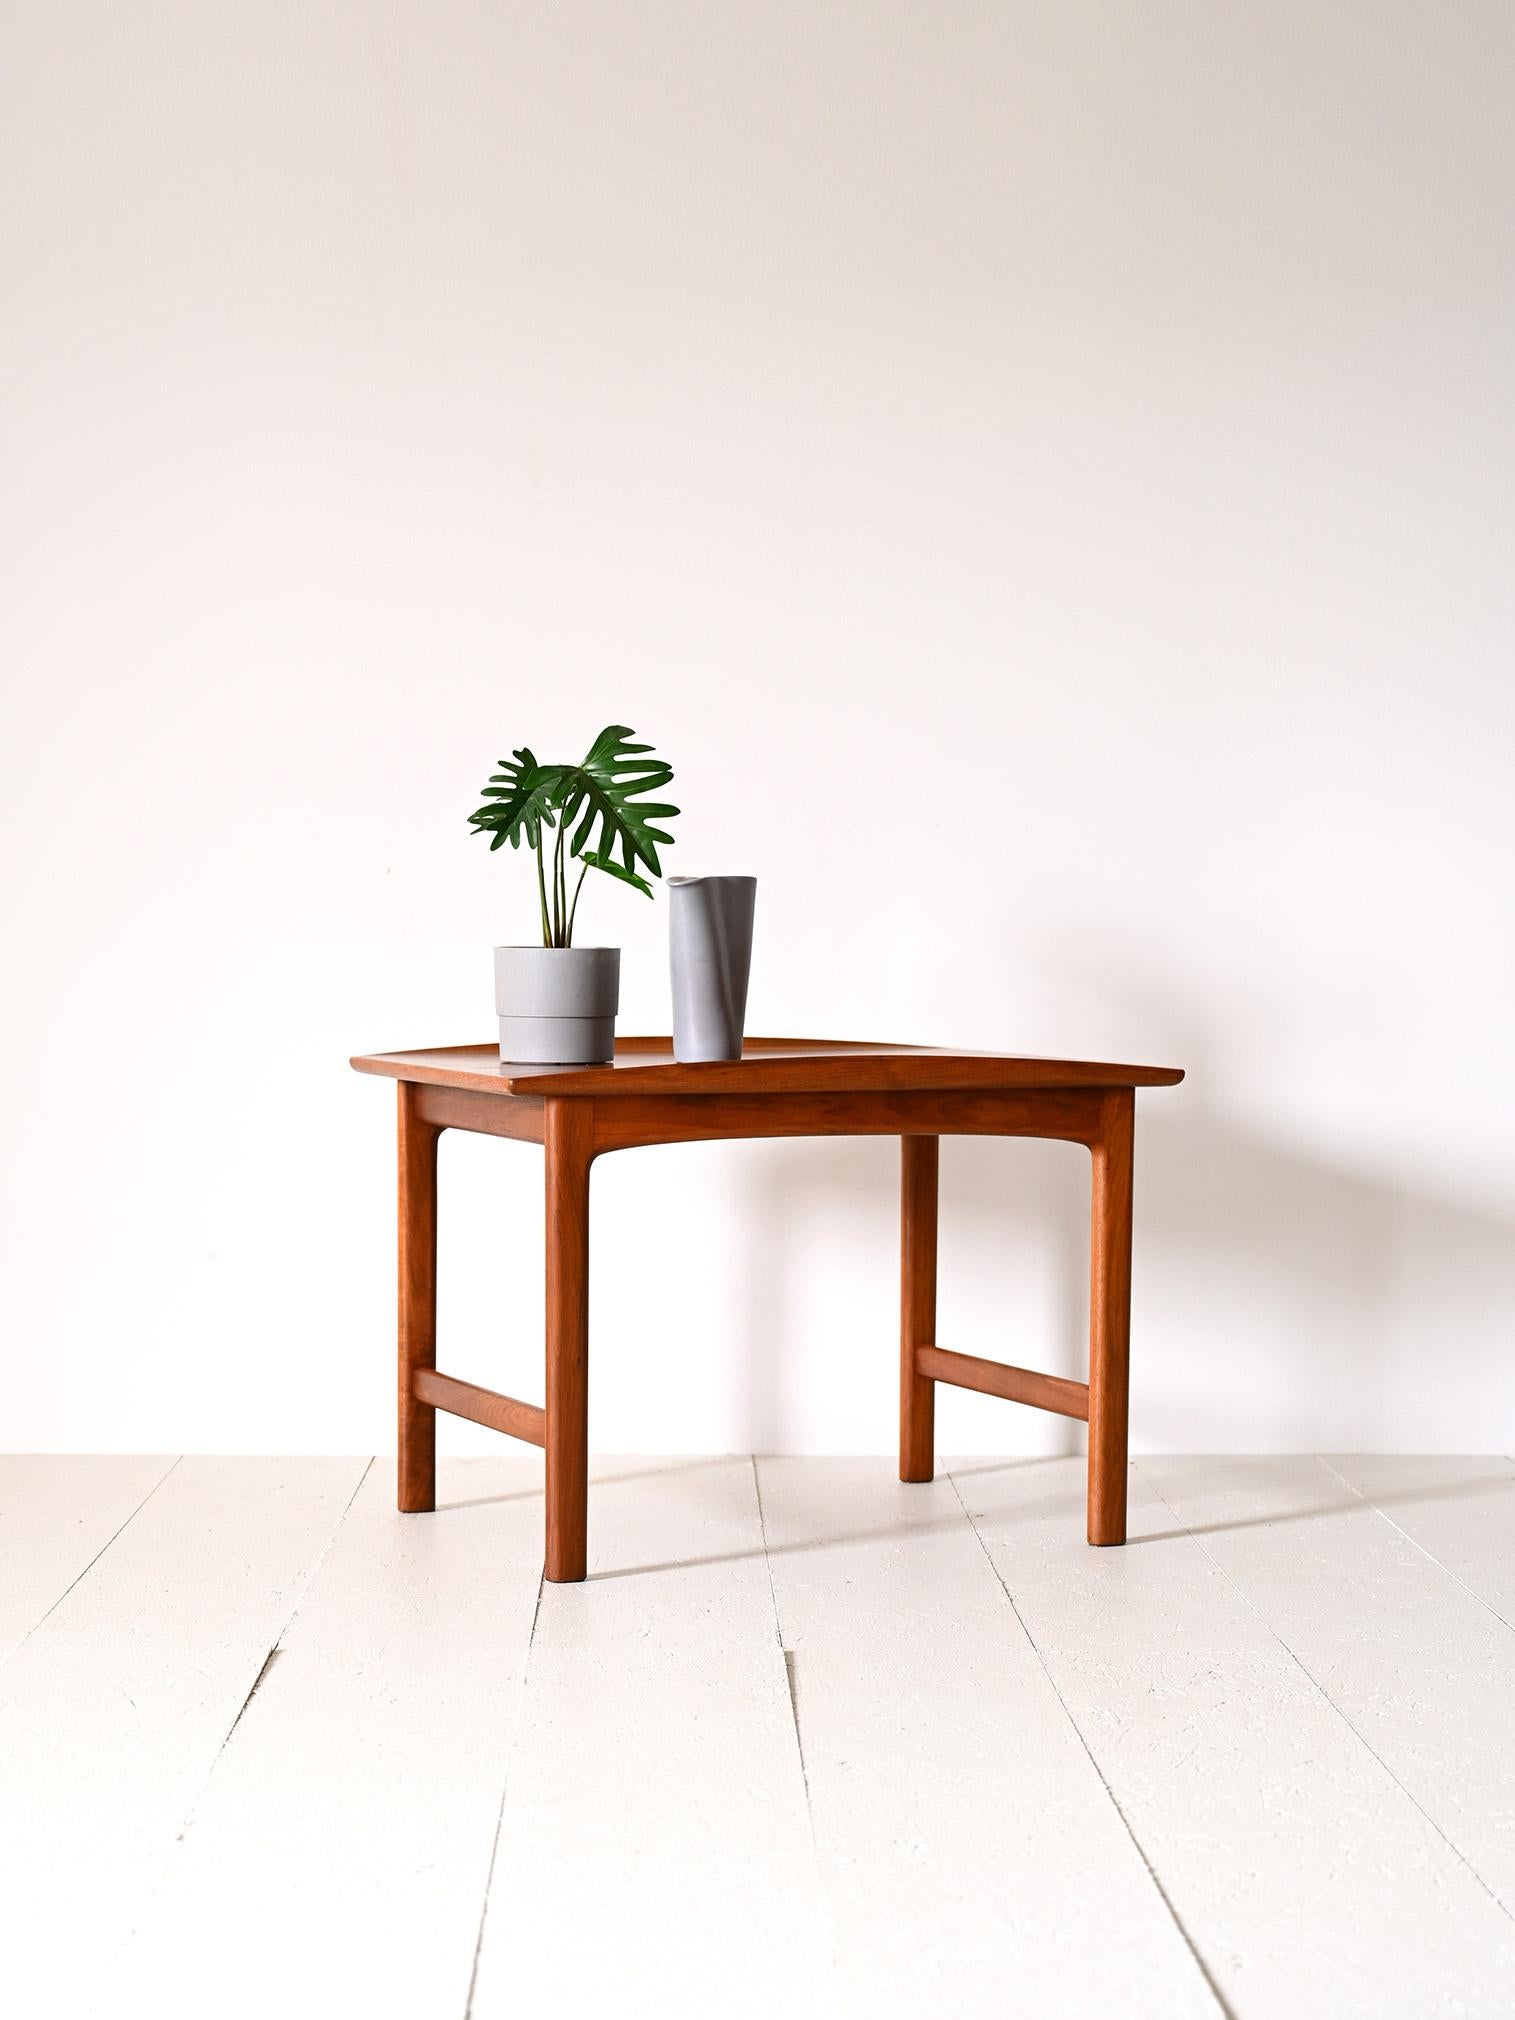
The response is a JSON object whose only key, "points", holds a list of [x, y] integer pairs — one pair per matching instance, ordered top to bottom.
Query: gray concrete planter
{"points": [[557, 1005]]}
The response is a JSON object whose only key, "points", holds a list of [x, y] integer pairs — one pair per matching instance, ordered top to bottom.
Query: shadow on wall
{"points": [[1012, 1217], [1279, 1302], [1295, 1304]]}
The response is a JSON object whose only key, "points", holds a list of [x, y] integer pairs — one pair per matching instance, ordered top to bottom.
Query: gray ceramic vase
{"points": [[709, 954], [557, 1005]]}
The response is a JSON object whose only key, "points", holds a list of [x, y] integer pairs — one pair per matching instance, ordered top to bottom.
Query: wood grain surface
{"points": [[776, 1065]]}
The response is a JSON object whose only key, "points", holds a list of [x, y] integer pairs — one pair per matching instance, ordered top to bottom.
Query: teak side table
{"points": [[779, 1087]]}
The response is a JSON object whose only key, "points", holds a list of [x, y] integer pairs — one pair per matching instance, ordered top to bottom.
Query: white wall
{"points": [[1043, 475]]}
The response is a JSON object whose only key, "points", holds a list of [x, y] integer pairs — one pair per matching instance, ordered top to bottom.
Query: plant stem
{"points": [[542, 890], [559, 890], [573, 908]]}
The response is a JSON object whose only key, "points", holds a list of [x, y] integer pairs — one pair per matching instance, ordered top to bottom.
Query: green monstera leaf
{"points": [[606, 791], [525, 796], [599, 809]]}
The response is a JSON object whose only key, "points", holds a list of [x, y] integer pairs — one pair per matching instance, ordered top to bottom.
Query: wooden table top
{"points": [[767, 1066]]}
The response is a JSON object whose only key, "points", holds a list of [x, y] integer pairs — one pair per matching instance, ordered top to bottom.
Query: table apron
{"points": [[1072, 1114], [516, 1115], [630, 1121]]}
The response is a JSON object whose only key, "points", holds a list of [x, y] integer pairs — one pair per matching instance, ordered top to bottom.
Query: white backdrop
{"points": [[1043, 476]]}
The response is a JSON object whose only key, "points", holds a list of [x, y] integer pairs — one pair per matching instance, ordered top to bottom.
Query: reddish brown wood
{"points": [[645, 1066], [780, 1087], [1071, 1113], [518, 1115], [569, 1138], [918, 1185], [1110, 1317], [998, 1378], [481, 1406], [416, 1471]]}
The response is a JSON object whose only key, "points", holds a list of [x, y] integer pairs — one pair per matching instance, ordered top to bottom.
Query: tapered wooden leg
{"points": [[568, 1135], [918, 1173], [1110, 1316], [416, 1473]]}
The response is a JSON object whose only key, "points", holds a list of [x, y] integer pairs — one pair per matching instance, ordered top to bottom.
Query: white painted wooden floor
{"points": [[807, 1742]]}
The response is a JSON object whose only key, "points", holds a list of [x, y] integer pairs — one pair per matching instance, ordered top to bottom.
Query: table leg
{"points": [[568, 1140], [918, 1176], [1110, 1315], [416, 1472]]}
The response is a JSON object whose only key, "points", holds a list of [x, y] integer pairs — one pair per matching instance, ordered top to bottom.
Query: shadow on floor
{"points": [[1063, 1501]]}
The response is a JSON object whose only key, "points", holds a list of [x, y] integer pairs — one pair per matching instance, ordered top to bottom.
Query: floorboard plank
{"points": [[1461, 1511], [56, 1516], [1424, 1671], [114, 1709], [341, 1849], [655, 1855], [973, 1861], [1309, 1882]]}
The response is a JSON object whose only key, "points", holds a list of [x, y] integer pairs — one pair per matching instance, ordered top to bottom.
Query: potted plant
{"points": [[556, 1003]]}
